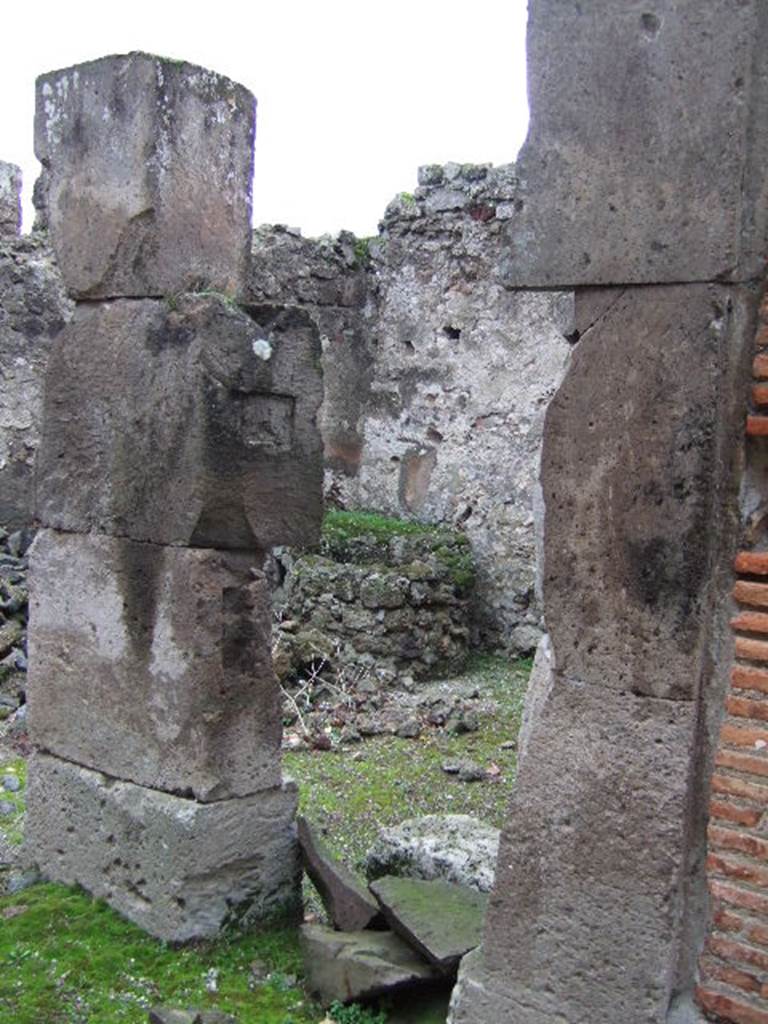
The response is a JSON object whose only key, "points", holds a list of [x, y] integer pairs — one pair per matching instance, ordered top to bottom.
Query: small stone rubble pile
{"points": [[13, 619], [399, 932]]}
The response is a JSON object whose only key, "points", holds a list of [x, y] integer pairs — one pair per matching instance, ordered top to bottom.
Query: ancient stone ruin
{"points": [[599, 306], [178, 444]]}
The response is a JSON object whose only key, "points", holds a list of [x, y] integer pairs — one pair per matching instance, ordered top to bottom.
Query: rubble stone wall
{"points": [[437, 375], [388, 607]]}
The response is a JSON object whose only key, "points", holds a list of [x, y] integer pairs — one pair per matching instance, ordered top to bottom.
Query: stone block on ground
{"points": [[148, 164], [10, 199], [189, 423], [152, 664], [453, 847], [177, 868], [349, 904], [441, 920], [350, 966]]}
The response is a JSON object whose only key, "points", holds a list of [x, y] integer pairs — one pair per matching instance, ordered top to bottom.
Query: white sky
{"points": [[353, 95]]}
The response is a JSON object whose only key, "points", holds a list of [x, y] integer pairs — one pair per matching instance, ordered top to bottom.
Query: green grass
{"points": [[341, 524], [357, 790], [67, 959]]}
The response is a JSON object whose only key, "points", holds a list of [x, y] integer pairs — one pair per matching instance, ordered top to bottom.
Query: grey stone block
{"points": [[149, 164], [638, 167], [10, 199], [184, 423], [632, 480], [153, 664], [179, 869], [584, 922]]}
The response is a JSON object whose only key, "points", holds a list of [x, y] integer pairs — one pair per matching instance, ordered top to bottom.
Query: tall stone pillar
{"points": [[642, 187], [178, 444]]}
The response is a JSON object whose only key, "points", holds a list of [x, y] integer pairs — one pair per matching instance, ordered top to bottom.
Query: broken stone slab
{"points": [[148, 165], [10, 199], [190, 422], [152, 664], [453, 847], [177, 868], [348, 902], [443, 921], [359, 965]]}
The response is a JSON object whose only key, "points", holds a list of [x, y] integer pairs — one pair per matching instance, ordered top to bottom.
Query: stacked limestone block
{"points": [[178, 444]]}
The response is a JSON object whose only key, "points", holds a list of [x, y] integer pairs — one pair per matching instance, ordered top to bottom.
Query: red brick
{"points": [[763, 310], [761, 336], [760, 367], [760, 394], [757, 426], [752, 563], [746, 592], [750, 622], [753, 650], [743, 708], [743, 736], [742, 762], [740, 788], [738, 815], [730, 839], [739, 871], [735, 896], [726, 921], [758, 933], [729, 950], [729, 975], [729, 1009]]}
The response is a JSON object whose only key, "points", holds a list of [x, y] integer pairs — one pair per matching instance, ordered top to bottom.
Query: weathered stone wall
{"points": [[10, 199], [33, 310], [464, 369], [437, 375]]}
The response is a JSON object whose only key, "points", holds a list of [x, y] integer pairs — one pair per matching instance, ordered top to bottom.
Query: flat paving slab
{"points": [[442, 920]]}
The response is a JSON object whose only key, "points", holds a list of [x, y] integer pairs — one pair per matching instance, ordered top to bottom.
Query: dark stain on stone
{"points": [[170, 333], [139, 577], [241, 632]]}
